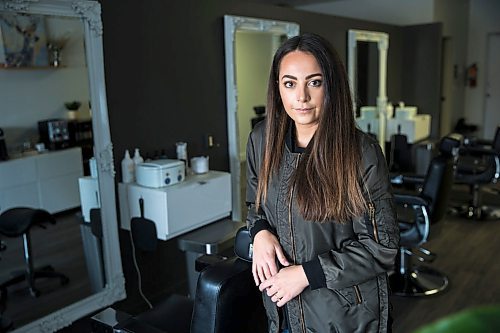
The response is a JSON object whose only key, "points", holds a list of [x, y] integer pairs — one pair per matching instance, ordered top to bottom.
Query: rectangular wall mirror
{"points": [[250, 44], [367, 54], [51, 55]]}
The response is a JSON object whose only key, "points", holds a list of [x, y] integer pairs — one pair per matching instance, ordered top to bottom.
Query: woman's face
{"points": [[301, 88]]}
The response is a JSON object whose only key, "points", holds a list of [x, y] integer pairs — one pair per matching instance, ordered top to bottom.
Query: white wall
{"points": [[454, 14], [484, 18], [28, 95]]}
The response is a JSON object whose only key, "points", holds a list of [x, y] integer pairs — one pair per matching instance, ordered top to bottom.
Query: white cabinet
{"points": [[58, 175], [48, 181], [18, 183], [176, 209]]}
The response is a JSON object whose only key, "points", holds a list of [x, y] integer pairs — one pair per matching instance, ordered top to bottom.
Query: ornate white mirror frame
{"points": [[90, 14], [232, 24], [382, 40]]}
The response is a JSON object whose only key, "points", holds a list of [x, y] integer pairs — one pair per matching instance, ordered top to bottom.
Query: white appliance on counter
{"points": [[160, 173], [182, 207]]}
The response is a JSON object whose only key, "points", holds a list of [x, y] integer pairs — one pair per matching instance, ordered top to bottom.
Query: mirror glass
{"points": [[250, 44], [367, 69], [366, 75], [57, 157]]}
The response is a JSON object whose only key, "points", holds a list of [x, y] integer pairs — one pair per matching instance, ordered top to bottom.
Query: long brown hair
{"points": [[327, 178]]}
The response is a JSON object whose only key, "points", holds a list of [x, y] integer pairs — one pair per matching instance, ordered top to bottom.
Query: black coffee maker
{"points": [[3, 148]]}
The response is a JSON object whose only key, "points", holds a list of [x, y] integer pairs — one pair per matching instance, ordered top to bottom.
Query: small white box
{"points": [[160, 173]]}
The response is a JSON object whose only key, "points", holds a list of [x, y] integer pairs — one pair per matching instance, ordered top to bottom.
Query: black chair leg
{"points": [[43, 272]]}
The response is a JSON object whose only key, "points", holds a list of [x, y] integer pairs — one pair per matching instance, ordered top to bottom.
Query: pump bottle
{"points": [[137, 157], [127, 168]]}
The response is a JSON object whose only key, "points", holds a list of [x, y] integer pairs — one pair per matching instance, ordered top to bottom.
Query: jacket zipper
{"points": [[371, 213], [293, 250], [358, 294]]}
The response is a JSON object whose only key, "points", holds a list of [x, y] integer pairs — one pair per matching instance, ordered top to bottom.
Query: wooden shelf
{"points": [[3, 67]]}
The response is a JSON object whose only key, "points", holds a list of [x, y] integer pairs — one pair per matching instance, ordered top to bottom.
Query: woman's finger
{"points": [[281, 256], [267, 272], [255, 275], [261, 275]]}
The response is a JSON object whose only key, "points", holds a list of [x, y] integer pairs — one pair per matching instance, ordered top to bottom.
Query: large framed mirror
{"points": [[250, 44], [372, 46], [59, 61]]}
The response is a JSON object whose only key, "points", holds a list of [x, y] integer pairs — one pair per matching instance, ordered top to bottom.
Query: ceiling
{"points": [[397, 12]]}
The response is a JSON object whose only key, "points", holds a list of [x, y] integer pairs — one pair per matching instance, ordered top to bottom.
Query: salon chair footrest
{"points": [[419, 281], [173, 315], [5, 324]]}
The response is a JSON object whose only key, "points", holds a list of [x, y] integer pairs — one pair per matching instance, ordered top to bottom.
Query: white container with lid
{"points": [[160, 173]]}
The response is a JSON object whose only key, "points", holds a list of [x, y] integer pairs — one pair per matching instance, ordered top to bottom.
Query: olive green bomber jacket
{"points": [[351, 295]]}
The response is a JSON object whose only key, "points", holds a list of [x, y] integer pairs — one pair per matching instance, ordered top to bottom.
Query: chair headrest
{"points": [[450, 144]]}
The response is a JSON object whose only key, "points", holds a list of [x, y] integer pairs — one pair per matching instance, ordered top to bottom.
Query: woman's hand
{"points": [[265, 250], [287, 284]]}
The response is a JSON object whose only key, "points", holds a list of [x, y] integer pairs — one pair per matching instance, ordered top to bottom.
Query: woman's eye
{"points": [[315, 83], [288, 84]]}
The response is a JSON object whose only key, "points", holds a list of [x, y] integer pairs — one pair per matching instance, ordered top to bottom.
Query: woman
{"points": [[321, 214]]}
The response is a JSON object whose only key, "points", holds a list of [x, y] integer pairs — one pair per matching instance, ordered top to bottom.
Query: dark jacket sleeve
{"points": [[256, 220], [374, 249]]}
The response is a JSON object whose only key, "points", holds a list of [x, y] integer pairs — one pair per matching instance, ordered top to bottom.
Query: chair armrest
{"points": [[477, 151], [407, 179], [408, 199]]}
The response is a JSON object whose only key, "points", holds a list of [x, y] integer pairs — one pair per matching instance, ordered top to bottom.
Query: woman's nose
{"points": [[302, 95]]}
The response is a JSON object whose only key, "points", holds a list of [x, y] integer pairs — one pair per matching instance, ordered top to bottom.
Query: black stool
{"points": [[17, 222]]}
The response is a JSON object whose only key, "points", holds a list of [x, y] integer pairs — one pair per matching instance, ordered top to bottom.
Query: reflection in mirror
{"points": [[250, 44], [361, 64], [366, 74], [51, 75]]}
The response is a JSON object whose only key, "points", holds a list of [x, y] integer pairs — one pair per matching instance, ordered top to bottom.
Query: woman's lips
{"points": [[304, 110]]}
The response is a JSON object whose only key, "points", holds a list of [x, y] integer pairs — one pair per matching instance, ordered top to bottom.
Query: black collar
{"points": [[290, 139]]}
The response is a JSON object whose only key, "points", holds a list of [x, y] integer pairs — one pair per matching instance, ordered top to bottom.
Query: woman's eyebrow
{"points": [[307, 77]]}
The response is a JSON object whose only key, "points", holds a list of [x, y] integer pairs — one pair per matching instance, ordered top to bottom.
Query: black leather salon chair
{"points": [[400, 154], [479, 167], [418, 213], [17, 222], [227, 300]]}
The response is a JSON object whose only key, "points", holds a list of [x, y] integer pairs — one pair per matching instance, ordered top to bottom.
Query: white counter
{"points": [[179, 208]]}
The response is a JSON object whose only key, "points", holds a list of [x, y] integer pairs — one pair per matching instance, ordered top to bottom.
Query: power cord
{"points": [[139, 278]]}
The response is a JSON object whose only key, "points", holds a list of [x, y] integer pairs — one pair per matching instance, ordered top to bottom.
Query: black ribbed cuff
{"points": [[259, 225], [314, 273]]}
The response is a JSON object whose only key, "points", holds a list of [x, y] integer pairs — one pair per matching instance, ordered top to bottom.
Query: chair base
{"points": [[483, 213], [44, 272], [418, 281]]}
